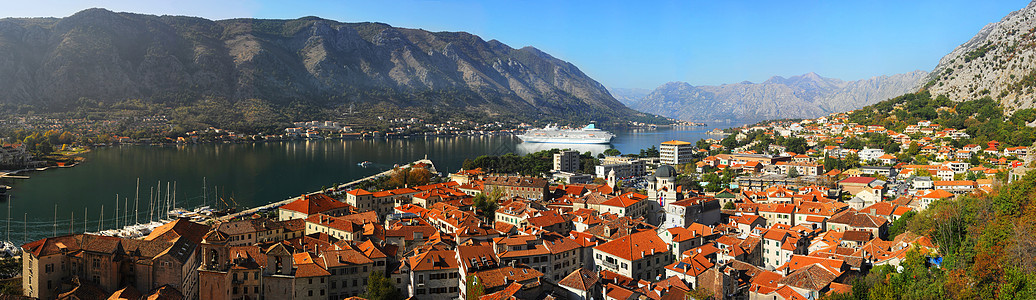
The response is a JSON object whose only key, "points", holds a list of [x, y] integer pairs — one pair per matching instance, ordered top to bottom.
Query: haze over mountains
{"points": [[106, 56], [804, 96]]}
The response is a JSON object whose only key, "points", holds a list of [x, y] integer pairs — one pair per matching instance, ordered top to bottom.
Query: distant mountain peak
{"points": [[801, 96]]}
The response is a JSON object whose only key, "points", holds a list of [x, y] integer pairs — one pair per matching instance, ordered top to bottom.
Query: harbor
{"points": [[258, 175]]}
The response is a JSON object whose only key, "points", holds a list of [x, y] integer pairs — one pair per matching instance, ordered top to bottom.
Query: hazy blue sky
{"points": [[646, 43]]}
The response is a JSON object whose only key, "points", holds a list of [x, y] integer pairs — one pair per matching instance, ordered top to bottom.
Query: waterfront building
{"points": [[675, 152], [308, 205]]}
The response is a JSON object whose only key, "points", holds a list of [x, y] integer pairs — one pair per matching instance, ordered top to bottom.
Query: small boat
{"points": [[365, 164]]}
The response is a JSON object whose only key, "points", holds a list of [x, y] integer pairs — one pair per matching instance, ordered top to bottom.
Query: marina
{"points": [[249, 174]]}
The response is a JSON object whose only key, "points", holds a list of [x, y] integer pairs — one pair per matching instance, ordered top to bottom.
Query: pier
{"points": [[250, 211]]}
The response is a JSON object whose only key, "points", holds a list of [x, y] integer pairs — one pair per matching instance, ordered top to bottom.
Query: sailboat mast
{"points": [[158, 200], [136, 203], [151, 206], [8, 237]]}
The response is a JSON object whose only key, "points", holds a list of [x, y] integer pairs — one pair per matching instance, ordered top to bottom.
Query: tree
{"points": [[853, 143], [796, 144], [612, 152], [852, 161], [831, 163], [793, 172], [418, 176], [715, 182], [729, 205], [486, 206], [900, 225], [380, 288], [474, 288]]}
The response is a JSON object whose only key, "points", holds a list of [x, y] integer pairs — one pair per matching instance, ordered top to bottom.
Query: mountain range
{"points": [[108, 56], [999, 62], [804, 96]]}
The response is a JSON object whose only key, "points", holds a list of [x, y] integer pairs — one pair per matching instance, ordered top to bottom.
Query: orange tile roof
{"points": [[315, 203], [635, 246]]}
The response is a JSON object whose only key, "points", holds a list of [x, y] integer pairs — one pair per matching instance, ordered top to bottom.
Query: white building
{"points": [[676, 152]]}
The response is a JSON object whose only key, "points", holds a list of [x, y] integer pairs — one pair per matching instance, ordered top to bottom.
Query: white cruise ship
{"points": [[552, 134]]}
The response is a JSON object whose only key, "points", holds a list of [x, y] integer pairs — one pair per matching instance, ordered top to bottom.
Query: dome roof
{"points": [[665, 171], [651, 178]]}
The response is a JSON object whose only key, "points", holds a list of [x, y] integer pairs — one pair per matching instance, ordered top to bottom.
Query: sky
{"points": [[643, 44]]}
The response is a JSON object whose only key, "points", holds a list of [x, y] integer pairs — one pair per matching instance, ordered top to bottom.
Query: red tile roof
{"points": [[315, 203], [635, 246]]}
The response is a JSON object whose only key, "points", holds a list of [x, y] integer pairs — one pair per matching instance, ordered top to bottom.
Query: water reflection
{"points": [[526, 148]]}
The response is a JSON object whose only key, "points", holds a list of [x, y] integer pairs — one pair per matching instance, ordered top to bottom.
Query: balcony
{"points": [[614, 266]]}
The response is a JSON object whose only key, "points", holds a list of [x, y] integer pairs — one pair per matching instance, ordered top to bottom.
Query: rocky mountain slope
{"points": [[106, 56], [1000, 62], [804, 96]]}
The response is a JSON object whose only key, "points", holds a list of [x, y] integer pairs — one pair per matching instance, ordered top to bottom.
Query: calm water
{"points": [[251, 174]]}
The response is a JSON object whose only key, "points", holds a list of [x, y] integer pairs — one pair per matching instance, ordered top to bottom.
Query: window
{"points": [[256, 288], [235, 290]]}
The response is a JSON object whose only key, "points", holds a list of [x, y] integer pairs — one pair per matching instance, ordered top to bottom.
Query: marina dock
{"points": [[250, 211]]}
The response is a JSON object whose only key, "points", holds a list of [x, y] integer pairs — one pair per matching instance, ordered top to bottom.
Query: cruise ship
{"points": [[552, 134]]}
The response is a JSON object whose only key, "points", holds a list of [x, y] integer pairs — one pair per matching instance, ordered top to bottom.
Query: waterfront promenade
{"points": [[250, 211]]}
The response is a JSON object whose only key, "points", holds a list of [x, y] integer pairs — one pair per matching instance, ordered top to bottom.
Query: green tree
{"points": [[853, 143], [796, 144], [612, 152], [852, 161], [793, 172], [715, 182], [729, 205], [486, 206], [901, 224], [474, 287], [380, 288]]}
